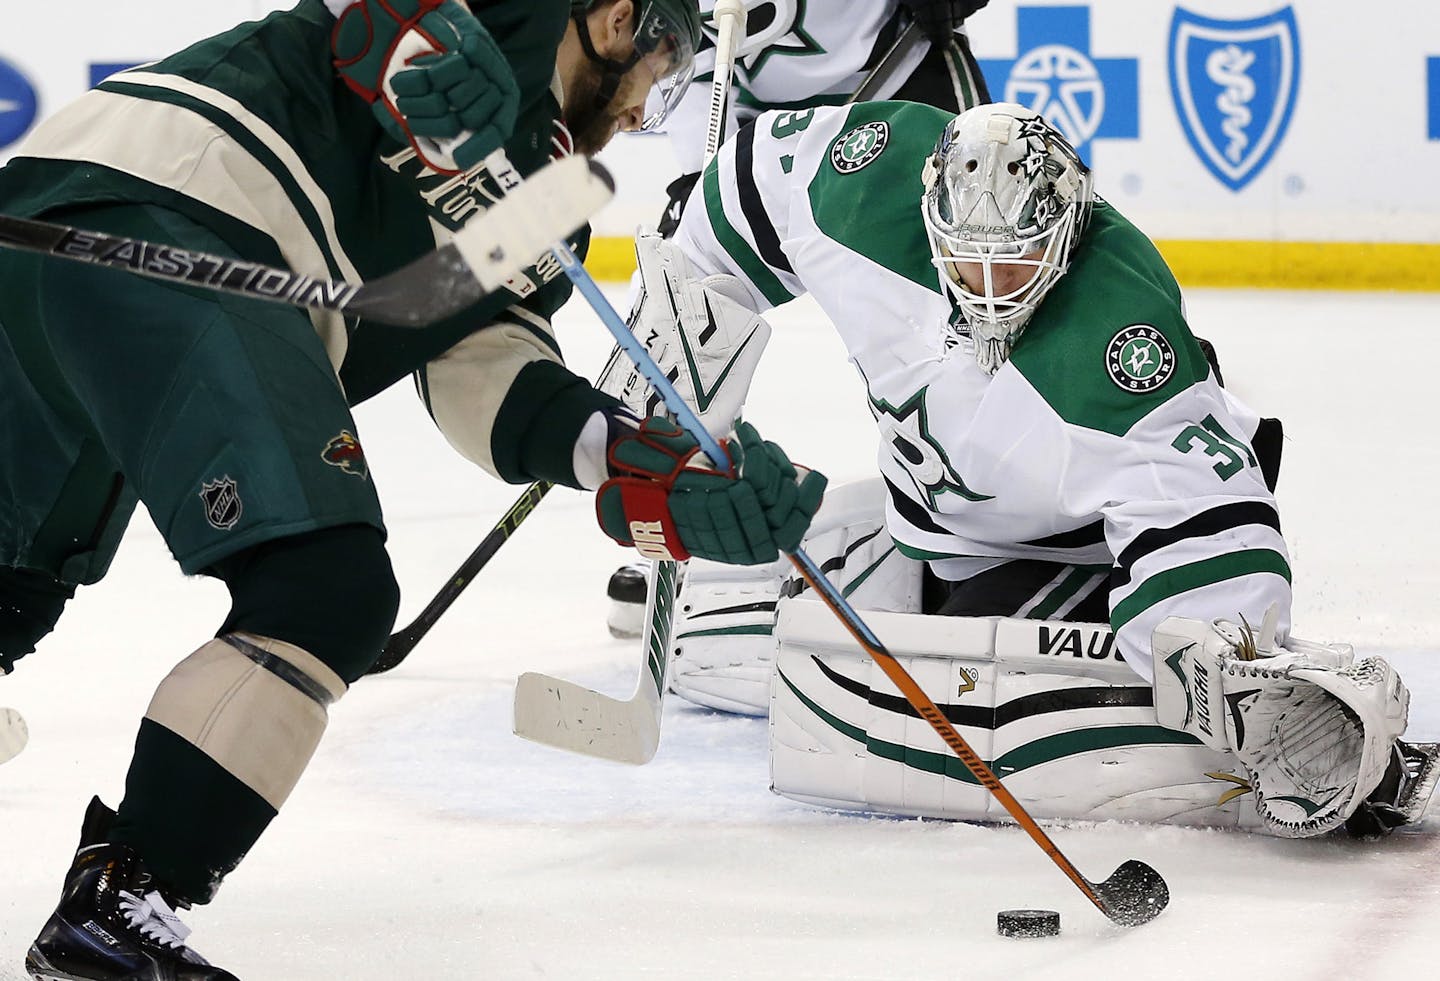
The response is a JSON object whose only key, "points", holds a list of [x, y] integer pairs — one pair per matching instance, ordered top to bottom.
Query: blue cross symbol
{"points": [[1054, 73]]}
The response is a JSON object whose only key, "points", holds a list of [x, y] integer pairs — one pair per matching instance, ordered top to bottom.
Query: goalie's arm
{"points": [[739, 215], [1192, 527]]}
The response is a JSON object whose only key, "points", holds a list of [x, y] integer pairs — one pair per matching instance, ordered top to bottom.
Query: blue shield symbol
{"points": [[1234, 84]]}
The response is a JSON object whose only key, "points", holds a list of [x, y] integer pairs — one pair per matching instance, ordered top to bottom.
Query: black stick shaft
{"points": [[885, 69], [203, 269], [403, 641]]}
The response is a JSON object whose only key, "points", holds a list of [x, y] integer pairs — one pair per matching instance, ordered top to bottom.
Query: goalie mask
{"points": [[1006, 198]]}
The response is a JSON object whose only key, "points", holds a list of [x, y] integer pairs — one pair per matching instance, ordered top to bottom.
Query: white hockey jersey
{"points": [[796, 53], [1104, 440]]}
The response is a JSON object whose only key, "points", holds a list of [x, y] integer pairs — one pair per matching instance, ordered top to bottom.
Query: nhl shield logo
{"points": [[1234, 84], [222, 503]]}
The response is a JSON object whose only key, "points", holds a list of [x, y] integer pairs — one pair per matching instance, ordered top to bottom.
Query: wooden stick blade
{"points": [[568, 716]]}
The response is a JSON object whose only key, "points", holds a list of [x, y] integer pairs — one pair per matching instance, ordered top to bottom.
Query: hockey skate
{"points": [[626, 614], [1404, 792], [113, 922]]}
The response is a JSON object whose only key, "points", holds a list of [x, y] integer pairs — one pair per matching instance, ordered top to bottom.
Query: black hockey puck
{"points": [[1028, 923]]}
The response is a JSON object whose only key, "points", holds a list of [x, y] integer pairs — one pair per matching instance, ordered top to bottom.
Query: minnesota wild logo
{"points": [[859, 147], [1139, 359], [344, 451]]}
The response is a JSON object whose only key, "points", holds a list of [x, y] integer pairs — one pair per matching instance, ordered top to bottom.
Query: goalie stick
{"points": [[889, 64], [491, 249], [561, 713], [13, 734]]}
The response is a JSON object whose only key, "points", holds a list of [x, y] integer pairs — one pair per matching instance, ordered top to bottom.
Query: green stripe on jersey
{"points": [[875, 210], [734, 243], [1117, 280], [1206, 572]]}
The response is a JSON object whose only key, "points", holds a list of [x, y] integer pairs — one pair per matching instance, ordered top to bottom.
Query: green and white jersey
{"points": [[797, 53], [253, 135], [1104, 440]]}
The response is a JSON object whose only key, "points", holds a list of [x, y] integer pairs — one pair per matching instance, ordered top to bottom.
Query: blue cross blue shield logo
{"points": [[1234, 84], [18, 105]]}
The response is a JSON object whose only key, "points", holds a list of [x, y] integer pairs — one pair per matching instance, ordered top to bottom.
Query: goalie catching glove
{"points": [[433, 76], [666, 498], [1314, 728]]}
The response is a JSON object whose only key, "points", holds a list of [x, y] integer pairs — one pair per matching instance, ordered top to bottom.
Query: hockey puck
{"points": [[1028, 923]]}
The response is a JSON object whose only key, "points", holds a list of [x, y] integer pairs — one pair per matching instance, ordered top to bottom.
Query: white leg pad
{"points": [[1068, 727]]}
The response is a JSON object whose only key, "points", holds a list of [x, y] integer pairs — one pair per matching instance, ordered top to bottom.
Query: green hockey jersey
{"points": [[252, 134]]}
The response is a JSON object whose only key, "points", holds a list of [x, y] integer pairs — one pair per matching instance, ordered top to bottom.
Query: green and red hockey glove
{"points": [[433, 75], [667, 500]]}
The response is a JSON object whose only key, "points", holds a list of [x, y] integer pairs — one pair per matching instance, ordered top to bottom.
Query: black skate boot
{"points": [[627, 588], [1403, 794], [113, 922]]}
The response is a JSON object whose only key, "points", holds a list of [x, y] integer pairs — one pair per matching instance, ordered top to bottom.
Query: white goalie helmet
{"points": [[1006, 198]]}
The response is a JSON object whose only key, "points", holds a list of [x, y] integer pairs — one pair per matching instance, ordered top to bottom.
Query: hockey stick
{"points": [[888, 65], [492, 248], [402, 642], [561, 713], [13, 734]]}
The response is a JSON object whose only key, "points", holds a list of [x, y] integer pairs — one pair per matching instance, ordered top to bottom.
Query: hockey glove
{"points": [[939, 19], [433, 75], [669, 502]]}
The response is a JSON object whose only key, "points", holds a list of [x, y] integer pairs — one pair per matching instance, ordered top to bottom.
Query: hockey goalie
{"points": [[1072, 542]]}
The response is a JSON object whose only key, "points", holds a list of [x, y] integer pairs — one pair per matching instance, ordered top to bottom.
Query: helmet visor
{"points": [[666, 49]]}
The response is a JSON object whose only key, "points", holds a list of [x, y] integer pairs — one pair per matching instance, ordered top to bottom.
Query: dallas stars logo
{"points": [[772, 27], [859, 147], [1139, 359], [905, 431]]}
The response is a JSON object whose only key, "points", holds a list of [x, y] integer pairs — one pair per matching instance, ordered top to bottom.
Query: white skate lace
{"points": [[154, 918]]}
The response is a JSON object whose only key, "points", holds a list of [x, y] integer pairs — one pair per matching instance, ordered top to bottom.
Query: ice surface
{"points": [[428, 842]]}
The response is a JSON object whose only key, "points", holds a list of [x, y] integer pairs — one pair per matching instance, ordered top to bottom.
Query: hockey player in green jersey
{"points": [[342, 149], [1054, 446]]}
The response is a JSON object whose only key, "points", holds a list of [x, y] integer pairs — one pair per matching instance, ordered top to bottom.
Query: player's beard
{"points": [[591, 125]]}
